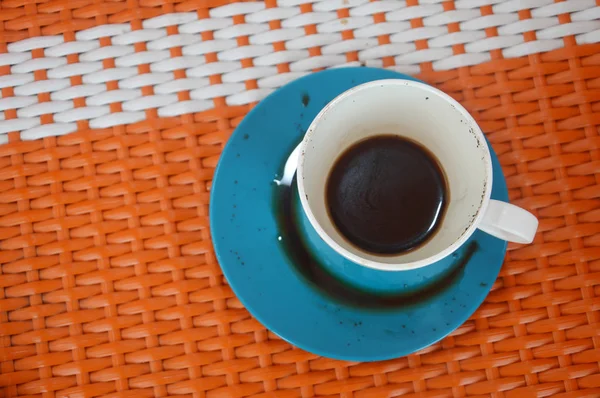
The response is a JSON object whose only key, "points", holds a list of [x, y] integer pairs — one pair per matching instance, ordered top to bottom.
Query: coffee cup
{"points": [[430, 118]]}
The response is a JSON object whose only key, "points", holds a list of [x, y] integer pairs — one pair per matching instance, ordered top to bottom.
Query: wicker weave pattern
{"points": [[238, 41], [108, 282]]}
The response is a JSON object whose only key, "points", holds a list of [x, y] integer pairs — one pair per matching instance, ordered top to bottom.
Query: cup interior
{"points": [[417, 112]]}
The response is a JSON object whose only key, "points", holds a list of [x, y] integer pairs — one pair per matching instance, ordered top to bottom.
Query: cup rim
{"points": [[304, 147]]}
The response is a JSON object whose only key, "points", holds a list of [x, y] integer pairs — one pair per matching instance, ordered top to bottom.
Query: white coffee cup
{"points": [[427, 116]]}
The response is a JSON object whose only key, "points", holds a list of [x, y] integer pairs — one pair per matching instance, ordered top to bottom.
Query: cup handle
{"points": [[509, 222]]}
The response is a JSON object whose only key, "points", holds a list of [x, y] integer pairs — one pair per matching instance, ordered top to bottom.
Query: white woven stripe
{"points": [[158, 55]]}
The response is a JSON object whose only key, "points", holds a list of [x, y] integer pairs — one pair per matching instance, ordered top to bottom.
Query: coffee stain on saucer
{"points": [[305, 99]]}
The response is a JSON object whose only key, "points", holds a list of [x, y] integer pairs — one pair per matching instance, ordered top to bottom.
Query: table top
{"points": [[113, 116]]}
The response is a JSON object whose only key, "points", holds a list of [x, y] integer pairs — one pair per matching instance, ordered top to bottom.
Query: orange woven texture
{"points": [[109, 284]]}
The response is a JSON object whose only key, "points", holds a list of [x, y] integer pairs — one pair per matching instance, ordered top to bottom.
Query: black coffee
{"points": [[387, 195]]}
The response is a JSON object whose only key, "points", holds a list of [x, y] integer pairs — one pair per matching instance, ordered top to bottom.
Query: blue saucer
{"points": [[297, 286]]}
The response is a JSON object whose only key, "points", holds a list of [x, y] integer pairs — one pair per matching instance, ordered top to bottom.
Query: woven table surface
{"points": [[112, 118]]}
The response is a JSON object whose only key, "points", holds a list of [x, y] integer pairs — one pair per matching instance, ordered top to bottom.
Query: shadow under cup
{"points": [[419, 113]]}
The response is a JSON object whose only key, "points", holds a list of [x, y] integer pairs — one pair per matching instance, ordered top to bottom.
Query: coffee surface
{"points": [[387, 195]]}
